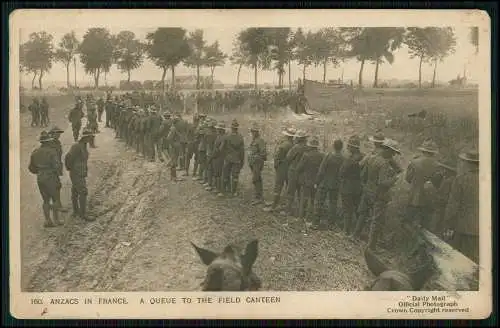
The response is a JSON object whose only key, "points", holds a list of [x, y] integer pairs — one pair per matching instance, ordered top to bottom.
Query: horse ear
{"points": [[251, 253], [205, 255], [375, 265]]}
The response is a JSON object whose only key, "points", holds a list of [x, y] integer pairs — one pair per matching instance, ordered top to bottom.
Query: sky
{"points": [[224, 29]]}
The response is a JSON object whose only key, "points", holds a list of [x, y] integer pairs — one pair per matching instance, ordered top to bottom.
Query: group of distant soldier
{"points": [[39, 110], [442, 198]]}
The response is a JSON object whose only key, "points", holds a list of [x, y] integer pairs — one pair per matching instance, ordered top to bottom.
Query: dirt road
{"points": [[140, 240]]}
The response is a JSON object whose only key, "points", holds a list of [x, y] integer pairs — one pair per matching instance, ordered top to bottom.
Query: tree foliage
{"points": [[474, 37], [254, 44], [281, 44], [326, 46], [303, 50], [66, 51], [97, 52], [128, 52], [37, 55], [197, 56], [214, 57]]}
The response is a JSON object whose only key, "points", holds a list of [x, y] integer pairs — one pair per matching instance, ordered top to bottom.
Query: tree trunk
{"points": [[74, 64], [212, 69], [324, 71], [97, 72], [420, 72], [304, 73], [434, 74], [67, 75], [255, 75], [289, 75], [238, 76], [128, 77], [197, 77], [173, 78], [280, 79], [360, 79], [40, 80], [33, 81], [375, 81], [163, 87]]}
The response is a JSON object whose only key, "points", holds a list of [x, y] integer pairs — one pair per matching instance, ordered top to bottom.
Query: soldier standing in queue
{"points": [[34, 108], [109, 108], [100, 109], [44, 113], [75, 117], [92, 121], [155, 125], [182, 128], [55, 134], [163, 134], [198, 137], [210, 138], [190, 140], [377, 141], [174, 144], [234, 149], [202, 151], [293, 158], [218, 159], [256, 159], [76, 161], [46, 165], [281, 166], [307, 169], [420, 170], [384, 180], [442, 181], [327, 182], [350, 183], [461, 217]]}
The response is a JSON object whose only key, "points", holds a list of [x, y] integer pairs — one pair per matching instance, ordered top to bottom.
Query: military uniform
{"points": [[34, 108], [100, 109], [44, 113], [75, 117], [210, 138], [174, 142], [234, 149], [256, 158], [293, 158], [218, 159], [44, 162], [76, 163], [307, 169], [328, 183]]}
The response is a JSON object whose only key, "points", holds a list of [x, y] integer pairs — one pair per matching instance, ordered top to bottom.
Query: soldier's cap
{"points": [[167, 115], [202, 115], [235, 124], [220, 126], [254, 128], [56, 129], [289, 132], [87, 133], [301, 134], [45, 137], [378, 137], [313, 142], [354, 142], [392, 145], [429, 146], [471, 155], [448, 166]]}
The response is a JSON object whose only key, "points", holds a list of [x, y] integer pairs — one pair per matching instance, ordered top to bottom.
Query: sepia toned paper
{"points": [[147, 294]]}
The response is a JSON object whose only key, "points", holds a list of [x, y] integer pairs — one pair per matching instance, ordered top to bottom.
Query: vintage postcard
{"points": [[250, 164]]}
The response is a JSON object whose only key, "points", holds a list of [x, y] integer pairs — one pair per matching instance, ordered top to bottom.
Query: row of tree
{"points": [[256, 48]]}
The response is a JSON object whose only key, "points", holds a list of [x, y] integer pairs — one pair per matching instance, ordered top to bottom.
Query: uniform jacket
{"points": [[75, 115], [210, 137], [56, 144], [234, 148], [258, 151], [294, 156], [76, 159], [280, 162], [44, 163], [308, 166], [419, 171], [350, 174], [328, 176], [378, 177], [462, 210]]}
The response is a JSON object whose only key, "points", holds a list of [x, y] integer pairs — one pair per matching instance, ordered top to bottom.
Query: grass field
{"points": [[160, 217]]}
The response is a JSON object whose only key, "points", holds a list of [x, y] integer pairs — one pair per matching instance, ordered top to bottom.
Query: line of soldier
{"points": [[39, 110], [47, 163]]}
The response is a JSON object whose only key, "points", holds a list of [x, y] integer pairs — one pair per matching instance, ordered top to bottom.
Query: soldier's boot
{"points": [[75, 135], [92, 143], [188, 163], [195, 170], [208, 184], [234, 188], [258, 193], [274, 204], [59, 206], [76, 206], [83, 209], [46, 213], [55, 213], [360, 223]]}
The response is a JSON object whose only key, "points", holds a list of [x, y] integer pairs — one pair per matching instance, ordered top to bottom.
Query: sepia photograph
{"points": [[163, 151]]}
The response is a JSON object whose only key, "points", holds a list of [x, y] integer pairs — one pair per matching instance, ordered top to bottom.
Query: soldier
{"points": [[34, 108], [109, 108], [100, 109], [44, 112], [75, 117], [92, 122], [155, 126], [55, 134], [162, 135], [198, 137], [210, 138], [377, 140], [190, 142], [174, 145], [234, 149], [202, 152], [293, 158], [218, 159], [256, 159], [76, 163], [46, 165], [281, 166], [307, 169], [420, 170], [384, 179], [442, 181], [327, 183], [350, 183], [461, 217]]}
